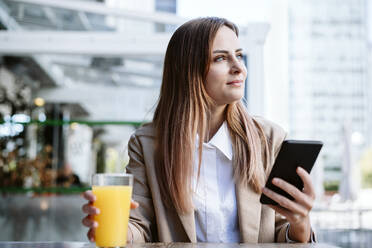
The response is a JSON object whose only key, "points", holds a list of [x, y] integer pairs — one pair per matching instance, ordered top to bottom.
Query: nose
{"points": [[237, 66]]}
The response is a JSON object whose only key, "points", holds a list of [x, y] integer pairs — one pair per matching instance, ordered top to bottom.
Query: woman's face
{"points": [[226, 76]]}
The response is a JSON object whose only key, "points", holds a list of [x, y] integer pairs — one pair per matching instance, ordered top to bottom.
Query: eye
{"points": [[240, 56], [219, 58]]}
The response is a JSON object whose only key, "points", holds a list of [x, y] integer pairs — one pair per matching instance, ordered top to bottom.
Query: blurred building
{"points": [[96, 62], [328, 72], [370, 84]]}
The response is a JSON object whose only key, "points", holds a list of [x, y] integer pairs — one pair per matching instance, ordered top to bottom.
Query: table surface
{"points": [[157, 245]]}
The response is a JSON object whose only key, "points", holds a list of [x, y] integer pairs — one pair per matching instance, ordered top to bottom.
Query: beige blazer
{"points": [[152, 222]]}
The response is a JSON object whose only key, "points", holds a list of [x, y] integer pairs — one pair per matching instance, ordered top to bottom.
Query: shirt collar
{"points": [[221, 140]]}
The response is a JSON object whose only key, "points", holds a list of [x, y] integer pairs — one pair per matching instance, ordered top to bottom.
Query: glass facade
{"points": [[328, 71]]}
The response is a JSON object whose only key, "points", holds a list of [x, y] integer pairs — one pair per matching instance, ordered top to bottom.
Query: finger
{"points": [[306, 179], [88, 195], [299, 196], [285, 202], [134, 204], [89, 209], [89, 222], [91, 234]]}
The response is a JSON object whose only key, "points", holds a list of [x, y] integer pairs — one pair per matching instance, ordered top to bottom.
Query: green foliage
{"points": [[366, 168], [331, 185]]}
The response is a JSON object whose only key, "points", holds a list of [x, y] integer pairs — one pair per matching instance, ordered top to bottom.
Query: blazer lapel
{"points": [[249, 212], [188, 222]]}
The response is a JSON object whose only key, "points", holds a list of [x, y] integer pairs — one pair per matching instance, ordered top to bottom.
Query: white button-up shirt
{"points": [[216, 216]]}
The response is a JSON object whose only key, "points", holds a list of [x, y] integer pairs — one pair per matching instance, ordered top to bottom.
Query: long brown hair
{"points": [[183, 111]]}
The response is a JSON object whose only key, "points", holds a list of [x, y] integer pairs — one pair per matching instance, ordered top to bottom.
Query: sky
{"points": [[238, 11]]}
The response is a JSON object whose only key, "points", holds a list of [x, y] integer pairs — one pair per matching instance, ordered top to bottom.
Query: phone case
{"points": [[293, 153]]}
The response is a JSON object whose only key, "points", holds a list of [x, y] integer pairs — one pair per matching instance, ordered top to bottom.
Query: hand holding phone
{"points": [[293, 153]]}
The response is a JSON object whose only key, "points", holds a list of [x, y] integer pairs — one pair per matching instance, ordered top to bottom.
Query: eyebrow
{"points": [[225, 51]]}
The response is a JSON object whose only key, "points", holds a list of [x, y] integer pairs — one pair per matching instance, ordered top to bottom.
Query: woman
{"points": [[201, 165]]}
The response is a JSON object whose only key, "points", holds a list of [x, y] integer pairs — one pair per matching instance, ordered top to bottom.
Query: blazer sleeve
{"points": [[275, 136], [141, 219], [281, 224]]}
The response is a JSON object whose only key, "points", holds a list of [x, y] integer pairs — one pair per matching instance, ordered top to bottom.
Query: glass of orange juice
{"points": [[113, 193]]}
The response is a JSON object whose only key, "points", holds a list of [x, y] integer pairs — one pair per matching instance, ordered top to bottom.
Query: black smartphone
{"points": [[293, 153]]}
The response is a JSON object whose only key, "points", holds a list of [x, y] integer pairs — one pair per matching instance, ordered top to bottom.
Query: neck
{"points": [[216, 119]]}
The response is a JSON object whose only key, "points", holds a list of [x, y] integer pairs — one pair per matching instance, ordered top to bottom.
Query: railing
{"points": [[43, 190], [349, 218], [347, 228]]}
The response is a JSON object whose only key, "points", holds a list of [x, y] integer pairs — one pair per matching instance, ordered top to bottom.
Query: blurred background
{"points": [[78, 77]]}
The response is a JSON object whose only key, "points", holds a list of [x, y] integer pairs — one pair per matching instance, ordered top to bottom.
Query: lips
{"points": [[235, 83]]}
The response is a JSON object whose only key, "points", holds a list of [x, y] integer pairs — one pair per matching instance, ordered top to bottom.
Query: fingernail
{"points": [[275, 180], [98, 211], [95, 224]]}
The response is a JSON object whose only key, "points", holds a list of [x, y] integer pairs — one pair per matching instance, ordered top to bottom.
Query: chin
{"points": [[237, 97], [234, 100]]}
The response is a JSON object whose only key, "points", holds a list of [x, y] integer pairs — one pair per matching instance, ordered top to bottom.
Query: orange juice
{"points": [[114, 204]]}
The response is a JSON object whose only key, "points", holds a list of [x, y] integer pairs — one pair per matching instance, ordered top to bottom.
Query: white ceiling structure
{"points": [[107, 60]]}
